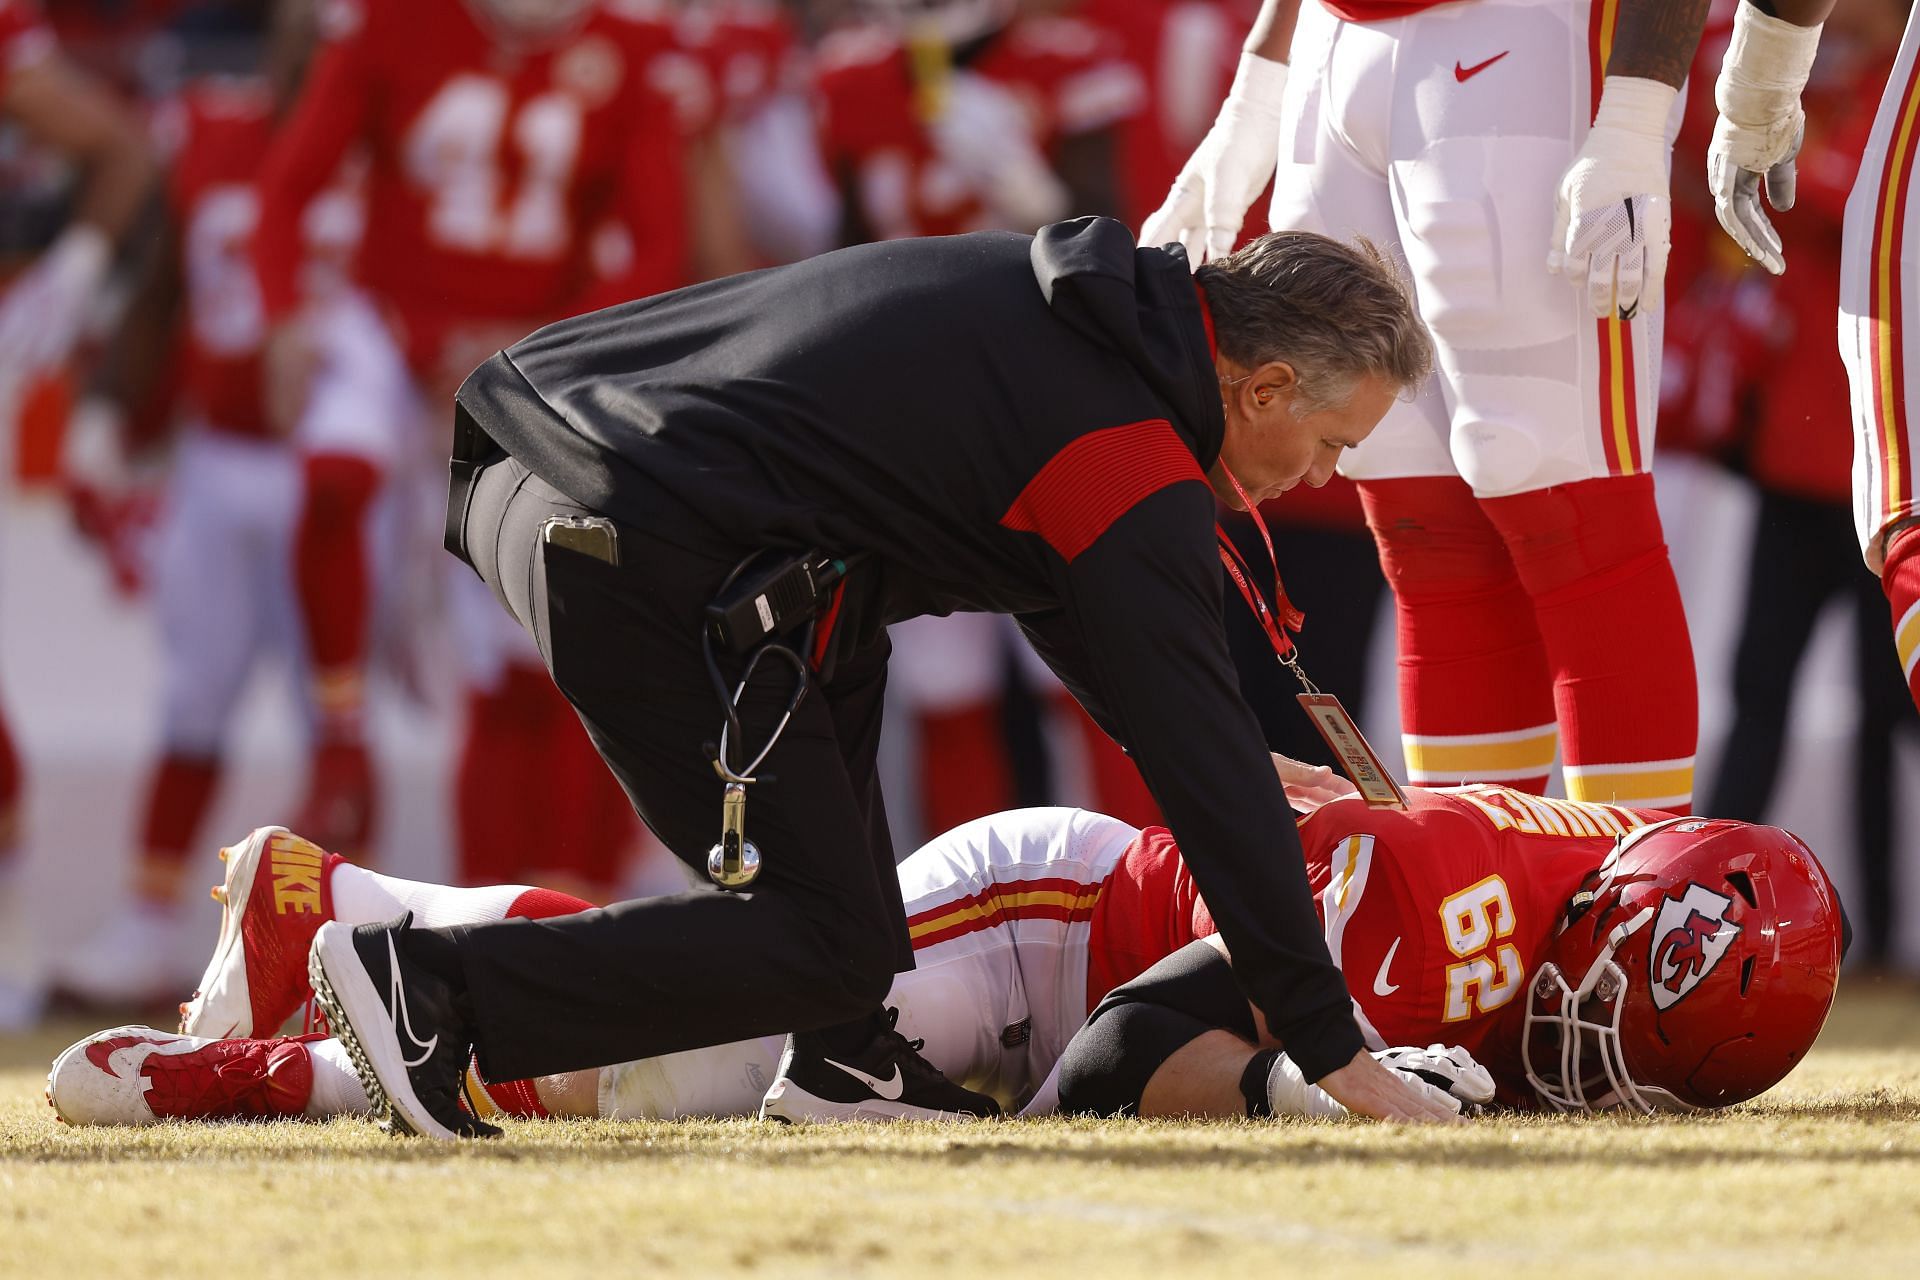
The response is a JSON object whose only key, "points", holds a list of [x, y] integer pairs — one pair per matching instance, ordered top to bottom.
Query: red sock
{"points": [[1594, 561], [331, 576], [1901, 581], [1476, 699], [964, 771], [177, 801], [500, 805]]}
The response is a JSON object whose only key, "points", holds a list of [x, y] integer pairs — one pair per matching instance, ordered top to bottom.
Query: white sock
{"points": [[361, 896], [336, 1090]]}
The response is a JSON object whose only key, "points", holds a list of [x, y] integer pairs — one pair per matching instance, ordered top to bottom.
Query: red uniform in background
{"points": [[24, 40], [927, 137], [513, 178], [1797, 448], [1437, 915]]}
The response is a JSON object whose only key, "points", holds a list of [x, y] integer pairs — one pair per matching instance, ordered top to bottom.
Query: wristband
{"points": [[1767, 64]]}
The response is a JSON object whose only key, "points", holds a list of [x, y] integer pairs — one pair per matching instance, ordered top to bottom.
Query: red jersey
{"points": [[24, 38], [748, 48], [876, 95], [221, 132], [489, 163], [1802, 442], [1437, 915]]}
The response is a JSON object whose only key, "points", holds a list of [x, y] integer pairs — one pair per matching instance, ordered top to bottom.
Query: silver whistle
{"points": [[734, 863]]}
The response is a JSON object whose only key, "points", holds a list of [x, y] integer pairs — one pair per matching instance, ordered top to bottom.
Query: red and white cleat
{"points": [[274, 900], [139, 1075]]}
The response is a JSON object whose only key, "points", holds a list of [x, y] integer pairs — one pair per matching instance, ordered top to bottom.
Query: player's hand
{"points": [[1758, 133], [1227, 170], [1613, 221], [42, 312], [288, 363], [1309, 786], [1449, 1069], [1366, 1088]]}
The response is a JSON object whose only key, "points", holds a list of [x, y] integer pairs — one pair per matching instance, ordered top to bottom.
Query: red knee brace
{"points": [[1593, 558], [1902, 584], [1476, 701]]}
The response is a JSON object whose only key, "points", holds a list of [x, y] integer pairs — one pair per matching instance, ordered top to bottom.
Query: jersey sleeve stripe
{"points": [[1098, 478], [1906, 639]]}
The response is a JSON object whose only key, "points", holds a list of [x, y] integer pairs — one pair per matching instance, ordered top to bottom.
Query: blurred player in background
{"points": [[960, 116], [1755, 142], [525, 161], [45, 305], [1512, 502], [1804, 553], [221, 576], [1024, 921]]}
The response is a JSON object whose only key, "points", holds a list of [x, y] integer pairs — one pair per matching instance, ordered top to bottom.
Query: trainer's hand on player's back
{"points": [[1310, 785], [1366, 1088]]}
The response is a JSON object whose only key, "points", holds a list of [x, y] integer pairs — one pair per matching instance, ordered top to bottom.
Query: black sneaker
{"points": [[407, 1044], [885, 1080]]}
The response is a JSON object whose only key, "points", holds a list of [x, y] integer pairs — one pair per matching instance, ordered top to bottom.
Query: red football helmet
{"points": [[1694, 972]]}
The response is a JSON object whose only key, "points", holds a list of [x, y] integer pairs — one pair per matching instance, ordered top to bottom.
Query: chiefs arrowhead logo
{"points": [[1690, 935]]}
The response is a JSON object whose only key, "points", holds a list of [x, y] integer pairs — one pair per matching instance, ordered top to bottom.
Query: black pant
{"points": [[1804, 555], [817, 941]]}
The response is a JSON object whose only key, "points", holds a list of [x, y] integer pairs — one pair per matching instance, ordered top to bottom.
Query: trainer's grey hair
{"points": [[1335, 312]]}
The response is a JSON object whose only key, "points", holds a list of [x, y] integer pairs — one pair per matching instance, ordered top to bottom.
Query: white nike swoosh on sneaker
{"points": [[1381, 987], [397, 1002], [890, 1088]]}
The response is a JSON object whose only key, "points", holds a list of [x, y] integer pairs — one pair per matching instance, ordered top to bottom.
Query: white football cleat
{"points": [[274, 900], [136, 1075]]}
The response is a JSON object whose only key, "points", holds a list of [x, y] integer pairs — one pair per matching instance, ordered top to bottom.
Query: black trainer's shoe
{"points": [[407, 1044], [885, 1080]]}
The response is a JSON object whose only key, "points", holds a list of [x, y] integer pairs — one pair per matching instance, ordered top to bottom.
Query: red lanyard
{"points": [[1290, 618]]}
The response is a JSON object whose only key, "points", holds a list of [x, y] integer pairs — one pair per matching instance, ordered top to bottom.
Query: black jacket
{"points": [[1004, 423]]}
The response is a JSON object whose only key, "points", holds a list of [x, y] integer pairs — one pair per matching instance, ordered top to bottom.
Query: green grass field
{"points": [[1821, 1177]]}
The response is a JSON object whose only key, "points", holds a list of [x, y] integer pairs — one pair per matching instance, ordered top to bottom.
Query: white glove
{"points": [[1760, 128], [984, 133], [1226, 171], [1613, 222], [41, 314], [93, 451], [1449, 1069], [1449, 1077]]}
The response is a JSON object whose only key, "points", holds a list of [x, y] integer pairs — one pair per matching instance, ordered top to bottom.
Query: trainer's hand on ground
{"points": [[1227, 170], [1309, 786], [1449, 1069], [1366, 1088]]}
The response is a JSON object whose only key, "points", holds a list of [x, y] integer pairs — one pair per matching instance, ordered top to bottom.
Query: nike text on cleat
{"points": [[274, 898], [399, 1027], [138, 1075], [886, 1080]]}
